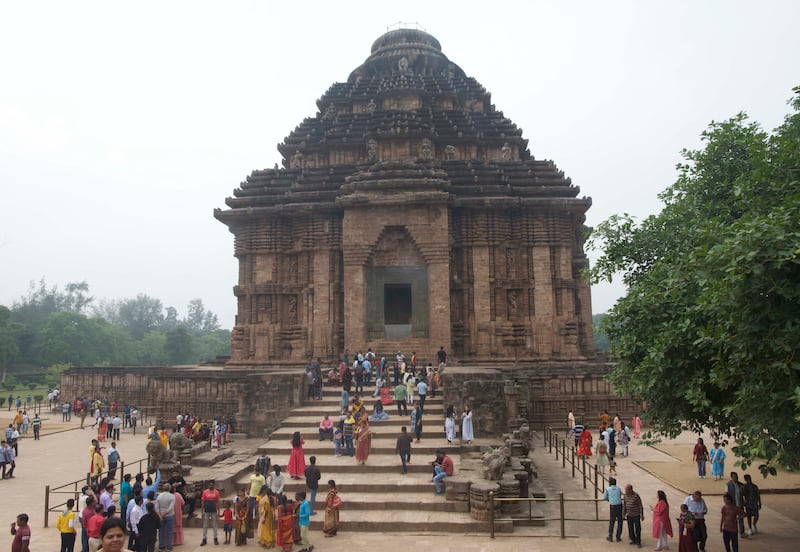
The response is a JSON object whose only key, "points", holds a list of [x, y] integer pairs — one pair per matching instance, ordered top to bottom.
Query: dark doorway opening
{"points": [[396, 304]]}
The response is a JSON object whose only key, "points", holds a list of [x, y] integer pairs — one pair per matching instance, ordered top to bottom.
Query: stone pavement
{"points": [[62, 455]]}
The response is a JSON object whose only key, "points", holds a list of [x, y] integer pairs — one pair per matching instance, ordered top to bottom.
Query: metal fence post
{"points": [[583, 465], [46, 503], [596, 505], [561, 507], [491, 514]]}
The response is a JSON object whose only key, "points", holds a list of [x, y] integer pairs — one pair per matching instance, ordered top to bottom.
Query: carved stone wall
{"points": [[259, 401]]}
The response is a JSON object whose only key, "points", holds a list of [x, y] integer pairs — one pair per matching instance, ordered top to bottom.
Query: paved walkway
{"points": [[62, 455]]}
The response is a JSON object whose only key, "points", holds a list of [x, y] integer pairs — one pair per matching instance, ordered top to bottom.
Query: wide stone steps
{"points": [[382, 444]]}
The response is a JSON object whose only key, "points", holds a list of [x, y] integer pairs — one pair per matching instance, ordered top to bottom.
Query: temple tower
{"points": [[409, 214]]}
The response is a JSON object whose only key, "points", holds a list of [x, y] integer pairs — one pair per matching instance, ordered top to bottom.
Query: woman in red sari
{"points": [[585, 443], [297, 460], [332, 504], [284, 512]]}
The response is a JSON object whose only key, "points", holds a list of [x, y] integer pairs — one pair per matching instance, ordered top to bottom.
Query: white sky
{"points": [[123, 125]]}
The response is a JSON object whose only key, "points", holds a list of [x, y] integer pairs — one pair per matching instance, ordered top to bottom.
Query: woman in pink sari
{"points": [[637, 426], [297, 459], [662, 526], [177, 532]]}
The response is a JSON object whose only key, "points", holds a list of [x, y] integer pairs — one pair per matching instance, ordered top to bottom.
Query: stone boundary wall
{"points": [[543, 394], [258, 400]]}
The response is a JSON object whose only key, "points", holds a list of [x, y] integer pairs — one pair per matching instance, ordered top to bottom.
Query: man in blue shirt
{"points": [[613, 495], [304, 518]]}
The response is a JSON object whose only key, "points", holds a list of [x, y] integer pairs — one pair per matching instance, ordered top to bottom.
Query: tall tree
{"points": [[709, 330], [10, 333]]}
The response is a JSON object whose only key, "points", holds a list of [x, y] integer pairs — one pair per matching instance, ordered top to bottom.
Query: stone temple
{"points": [[409, 214]]}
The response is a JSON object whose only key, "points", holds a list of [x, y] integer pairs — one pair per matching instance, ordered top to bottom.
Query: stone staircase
{"points": [[376, 496]]}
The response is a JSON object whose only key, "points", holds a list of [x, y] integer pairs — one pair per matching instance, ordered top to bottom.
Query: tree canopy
{"points": [[59, 328], [708, 332]]}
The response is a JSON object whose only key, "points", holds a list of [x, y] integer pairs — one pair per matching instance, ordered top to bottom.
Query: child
{"points": [[338, 438], [612, 468], [304, 515], [227, 521]]}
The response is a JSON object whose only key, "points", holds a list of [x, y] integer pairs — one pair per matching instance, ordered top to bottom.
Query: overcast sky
{"points": [[123, 125]]}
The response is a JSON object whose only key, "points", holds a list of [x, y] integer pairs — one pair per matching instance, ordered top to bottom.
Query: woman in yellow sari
{"points": [[332, 505], [266, 519]]}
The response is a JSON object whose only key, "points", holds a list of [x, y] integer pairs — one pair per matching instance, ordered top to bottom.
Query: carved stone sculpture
{"points": [[426, 149], [372, 150], [450, 152], [506, 152], [297, 160]]}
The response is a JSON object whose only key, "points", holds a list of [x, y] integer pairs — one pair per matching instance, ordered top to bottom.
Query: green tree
{"points": [[708, 332], [10, 334], [600, 338], [178, 345], [152, 349]]}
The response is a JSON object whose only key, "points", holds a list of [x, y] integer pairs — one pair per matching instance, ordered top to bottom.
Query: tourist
{"points": [[441, 356], [347, 379], [411, 382], [422, 392], [400, 397], [345, 400], [378, 414], [603, 416], [570, 421], [416, 422], [450, 424], [37, 425], [466, 425], [637, 426], [326, 428], [102, 429], [576, 431], [347, 432], [338, 439], [363, 439], [624, 439], [612, 442], [585, 445], [403, 448], [602, 455], [700, 456], [717, 457], [7, 460], [113, 461], [297, 461], [263, 464], [442, 468], [313, 476], [277, 481], [255, 483], [735, 488], [125, 493], [613, 494], [106, 498], [209, 501], [752, 503], [332, 504], [165, 507], [697, 507], [241, 512], [284, 512], [633, 513], [86, 514], [132, 518], [266, 519], [304, 519], [227, 521], [728, 523], [65, 524], [149, 525], [662, 525], [93, 526], [177, 530], [22, 534], [112, 535], [686, 542]]}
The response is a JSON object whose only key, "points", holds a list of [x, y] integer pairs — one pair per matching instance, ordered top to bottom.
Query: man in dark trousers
{"points": [[403, 448], [313, 476]]}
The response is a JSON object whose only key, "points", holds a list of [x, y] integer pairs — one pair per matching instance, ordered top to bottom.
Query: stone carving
{"points": [[403, 66], [371, 107], [330, 112], [426, 149], [372, 150], [450, 152], [506, 152], [297, 160], [511, 264], [512, 304], [292, 310], [179, 442], [157, 453], [495, 462]]}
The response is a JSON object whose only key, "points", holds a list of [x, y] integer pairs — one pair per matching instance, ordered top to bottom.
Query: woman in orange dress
{"points": [[363, 442], [585, 443], [332, 504], [284, 513]]}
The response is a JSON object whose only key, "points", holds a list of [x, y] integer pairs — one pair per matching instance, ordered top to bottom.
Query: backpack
{"points": [[602, 449], [113, 457]]}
